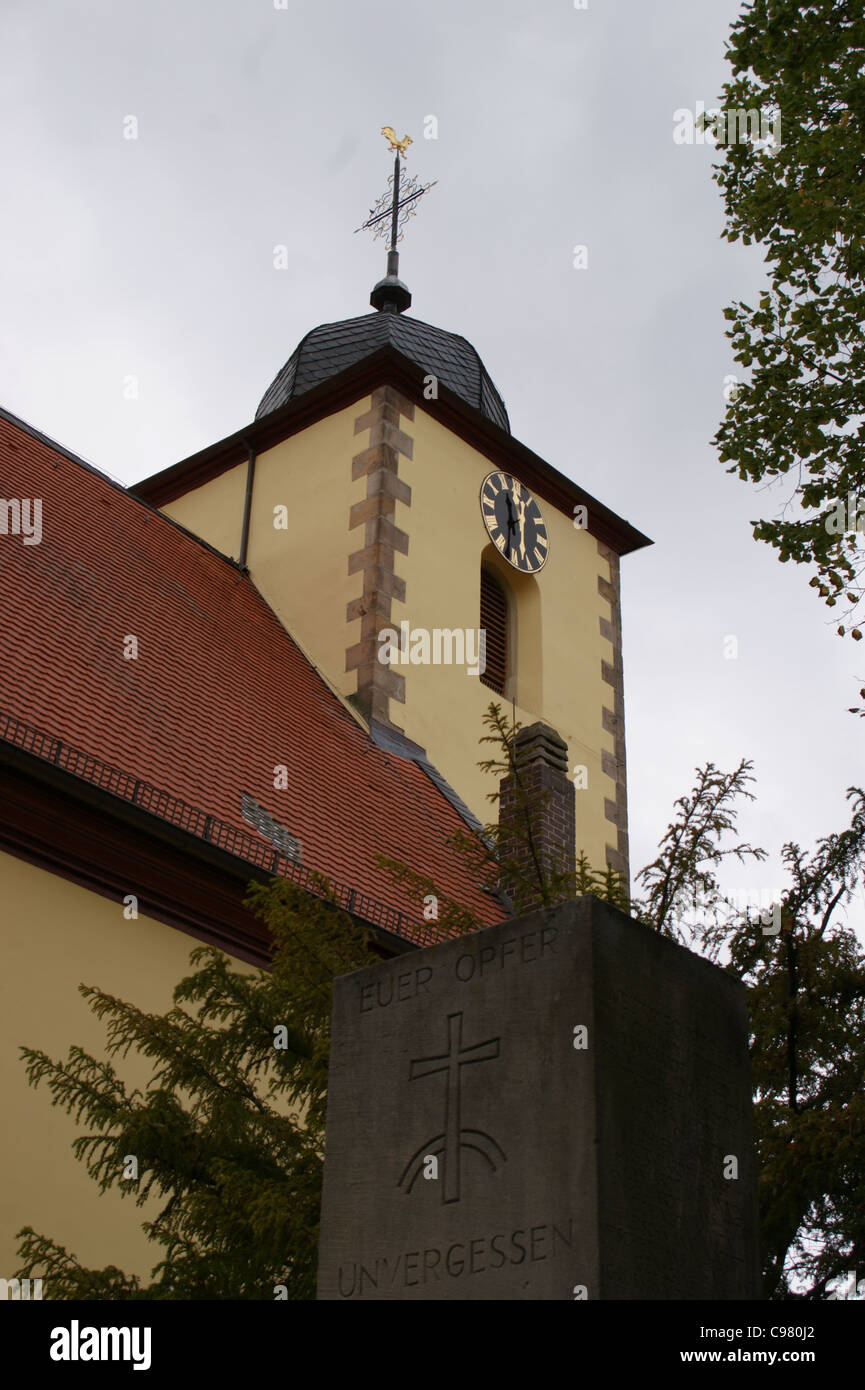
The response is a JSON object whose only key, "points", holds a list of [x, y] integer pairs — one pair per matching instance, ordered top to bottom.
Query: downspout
{"points": [[247, 506]]}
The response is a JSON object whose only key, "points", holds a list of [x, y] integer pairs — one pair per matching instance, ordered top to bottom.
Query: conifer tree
{"points": [[504, 858], [804, 970], [228, 1135]]}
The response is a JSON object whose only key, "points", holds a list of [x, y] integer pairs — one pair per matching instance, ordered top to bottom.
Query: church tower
{"points": [[426, 560]]}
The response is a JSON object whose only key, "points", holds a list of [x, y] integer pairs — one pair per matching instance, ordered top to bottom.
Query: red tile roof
{"points": [[219, 694]]}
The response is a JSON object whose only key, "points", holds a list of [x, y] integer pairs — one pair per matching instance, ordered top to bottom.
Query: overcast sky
{"points": [[259, 126]]}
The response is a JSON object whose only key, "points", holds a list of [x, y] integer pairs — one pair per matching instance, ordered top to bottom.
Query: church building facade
{"points": [[274, 658]]}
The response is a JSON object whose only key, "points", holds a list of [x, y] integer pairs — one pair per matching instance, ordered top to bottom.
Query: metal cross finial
{"points": [[399, 201], [395, 206]]}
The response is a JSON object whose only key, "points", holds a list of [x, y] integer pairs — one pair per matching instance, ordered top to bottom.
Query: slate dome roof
{"points": [[332, 347]]}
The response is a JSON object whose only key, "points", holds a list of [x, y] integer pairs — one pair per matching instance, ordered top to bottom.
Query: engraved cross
{"points": [[451, 1061]]}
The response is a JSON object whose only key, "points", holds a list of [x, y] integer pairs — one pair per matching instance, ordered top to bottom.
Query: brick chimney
{"points": [[542, 765]]}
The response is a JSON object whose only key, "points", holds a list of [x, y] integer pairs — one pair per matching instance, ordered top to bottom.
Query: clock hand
{"points": [[521, 519], [512, 520]]}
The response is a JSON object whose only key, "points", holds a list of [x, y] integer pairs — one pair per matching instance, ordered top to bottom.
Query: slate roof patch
{"points": [[332, 347]]}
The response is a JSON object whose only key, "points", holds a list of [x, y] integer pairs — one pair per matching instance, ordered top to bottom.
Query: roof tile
{"points": [[219, 695]]}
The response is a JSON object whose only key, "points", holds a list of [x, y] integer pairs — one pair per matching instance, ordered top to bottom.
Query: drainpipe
{"points": [[247, 506]]}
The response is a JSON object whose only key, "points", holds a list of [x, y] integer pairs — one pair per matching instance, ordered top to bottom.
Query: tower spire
{"points": [[395, 206]]}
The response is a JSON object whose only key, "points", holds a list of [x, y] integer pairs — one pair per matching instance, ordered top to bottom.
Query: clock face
{"points": [[514, 522]]}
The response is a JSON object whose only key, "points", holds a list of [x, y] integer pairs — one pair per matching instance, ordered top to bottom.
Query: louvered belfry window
{"points": [[494, 619]]}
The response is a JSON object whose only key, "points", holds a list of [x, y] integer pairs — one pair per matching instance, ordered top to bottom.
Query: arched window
{"points": [[494, 621]]}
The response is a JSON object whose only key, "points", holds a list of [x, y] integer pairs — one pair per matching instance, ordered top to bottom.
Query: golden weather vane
{"points": [[400, 145]]}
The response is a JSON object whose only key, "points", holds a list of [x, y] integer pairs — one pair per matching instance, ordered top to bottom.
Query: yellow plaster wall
{"points": [[214, 511], [302, 571], [303, 575], [444, 706], [56, 936]]}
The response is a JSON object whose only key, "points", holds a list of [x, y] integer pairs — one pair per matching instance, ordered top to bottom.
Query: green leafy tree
{"points": [[801, 415]]}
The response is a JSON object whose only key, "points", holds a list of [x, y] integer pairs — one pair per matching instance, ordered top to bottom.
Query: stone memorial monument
{"points": [[558, 1107]]}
